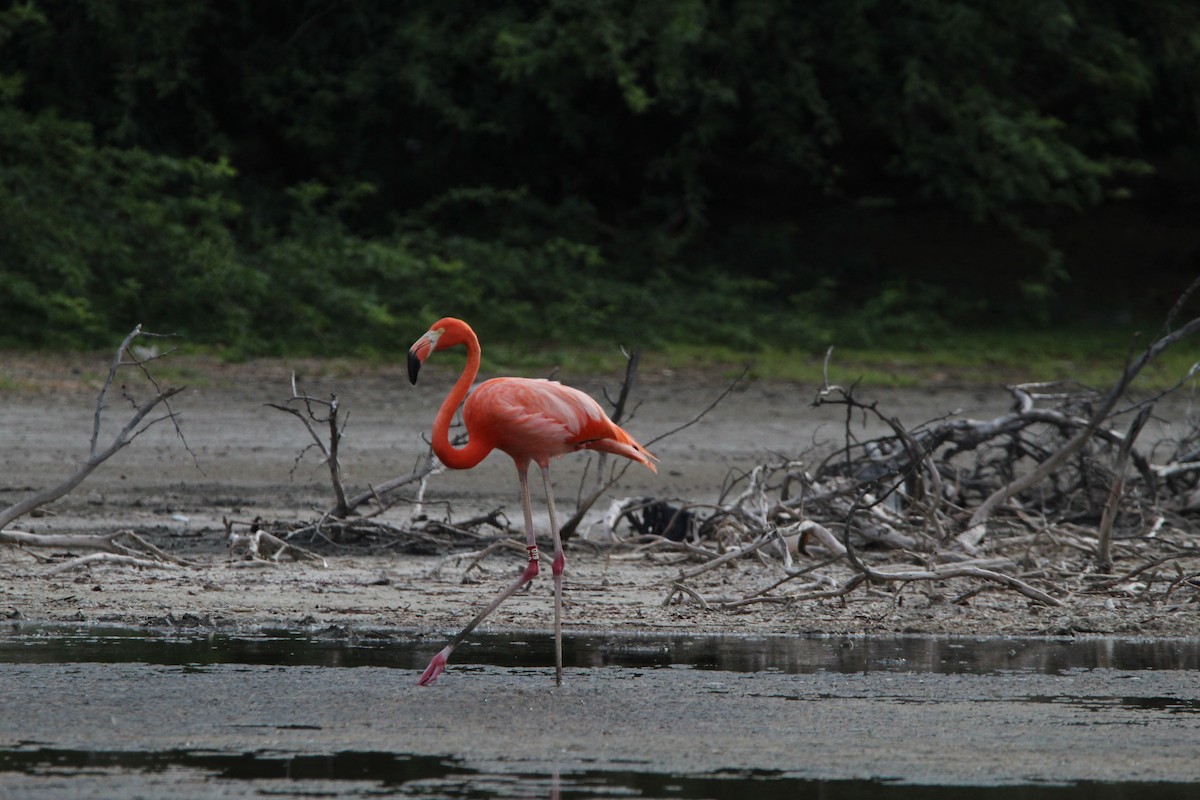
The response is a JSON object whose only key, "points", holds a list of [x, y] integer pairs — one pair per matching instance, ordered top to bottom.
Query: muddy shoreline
{"points": [[237, 458]]}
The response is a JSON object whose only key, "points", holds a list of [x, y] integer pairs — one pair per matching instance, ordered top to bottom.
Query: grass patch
{"points": [[966, 358], [997, 358], [9, 384]]}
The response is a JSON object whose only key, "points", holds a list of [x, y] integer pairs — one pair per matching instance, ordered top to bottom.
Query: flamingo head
{"points": [[444, 333]]}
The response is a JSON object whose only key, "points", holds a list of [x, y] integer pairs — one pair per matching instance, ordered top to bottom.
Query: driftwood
{"points": [[1087, 432], [329, 452], [98, 454], [1044, 501], [345, 515], [421, 537], [125, 544], [124, 547], [110, 558]]}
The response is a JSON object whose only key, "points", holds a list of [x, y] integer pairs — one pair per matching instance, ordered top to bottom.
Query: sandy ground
{"points": [[243, 460]]}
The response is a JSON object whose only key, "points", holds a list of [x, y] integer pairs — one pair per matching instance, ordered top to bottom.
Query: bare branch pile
{"points": [[1054, 498]]}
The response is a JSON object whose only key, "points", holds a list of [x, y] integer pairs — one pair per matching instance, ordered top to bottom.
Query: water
{"points": [[793, 655], [262, 757], [389, 775]]}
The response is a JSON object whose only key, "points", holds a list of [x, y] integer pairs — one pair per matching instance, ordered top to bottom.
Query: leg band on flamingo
{"points": [[531, 569]]}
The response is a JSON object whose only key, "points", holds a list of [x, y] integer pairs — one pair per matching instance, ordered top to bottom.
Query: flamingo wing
{"points": [[540, 419]]}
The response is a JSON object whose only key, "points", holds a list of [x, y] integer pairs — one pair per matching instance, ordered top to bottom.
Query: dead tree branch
{"points": [[329, 445], [329, 452], [98, 454], [1059, 459], [428, 466], [984, 511], [122, 543], [1104, 549], [109, 558]]}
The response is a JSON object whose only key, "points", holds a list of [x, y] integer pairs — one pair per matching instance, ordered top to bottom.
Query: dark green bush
{"points": [[300, 175], [94, 238]]}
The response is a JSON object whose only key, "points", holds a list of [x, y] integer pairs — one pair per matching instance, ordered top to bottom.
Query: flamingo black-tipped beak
{"points": [[420, 351], [414, 366]]}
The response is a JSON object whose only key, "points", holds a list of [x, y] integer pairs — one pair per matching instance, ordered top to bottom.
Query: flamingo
{"points": [[532, 420]]}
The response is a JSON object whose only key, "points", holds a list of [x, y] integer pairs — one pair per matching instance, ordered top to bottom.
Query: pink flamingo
{"points": [[531, 420]]}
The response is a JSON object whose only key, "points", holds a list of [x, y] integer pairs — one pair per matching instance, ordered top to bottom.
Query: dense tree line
{"points": [[316, 174]]}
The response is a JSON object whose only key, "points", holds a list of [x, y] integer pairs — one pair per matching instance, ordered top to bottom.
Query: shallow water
{"points": [[792, 655], [296, 744], [374, 774]]}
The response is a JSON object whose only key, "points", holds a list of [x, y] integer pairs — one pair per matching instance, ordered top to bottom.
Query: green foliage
{"points": [[272, 175], [97, 238]]}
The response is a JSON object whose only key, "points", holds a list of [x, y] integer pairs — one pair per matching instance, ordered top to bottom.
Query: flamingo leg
{"points": [[556, 568], [438, 663]]}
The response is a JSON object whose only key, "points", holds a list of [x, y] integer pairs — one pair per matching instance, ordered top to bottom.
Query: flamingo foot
{"points": [[435, 667]]}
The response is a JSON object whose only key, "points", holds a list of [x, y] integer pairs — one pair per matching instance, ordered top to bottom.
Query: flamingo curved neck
{"points": [[476, 448]]}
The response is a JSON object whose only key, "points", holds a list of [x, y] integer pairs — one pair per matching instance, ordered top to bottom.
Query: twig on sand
{"points": [[92, 559]]}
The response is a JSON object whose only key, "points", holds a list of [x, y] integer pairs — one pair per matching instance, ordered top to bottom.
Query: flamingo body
{"points": [[536, 420], [532, 421]]}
